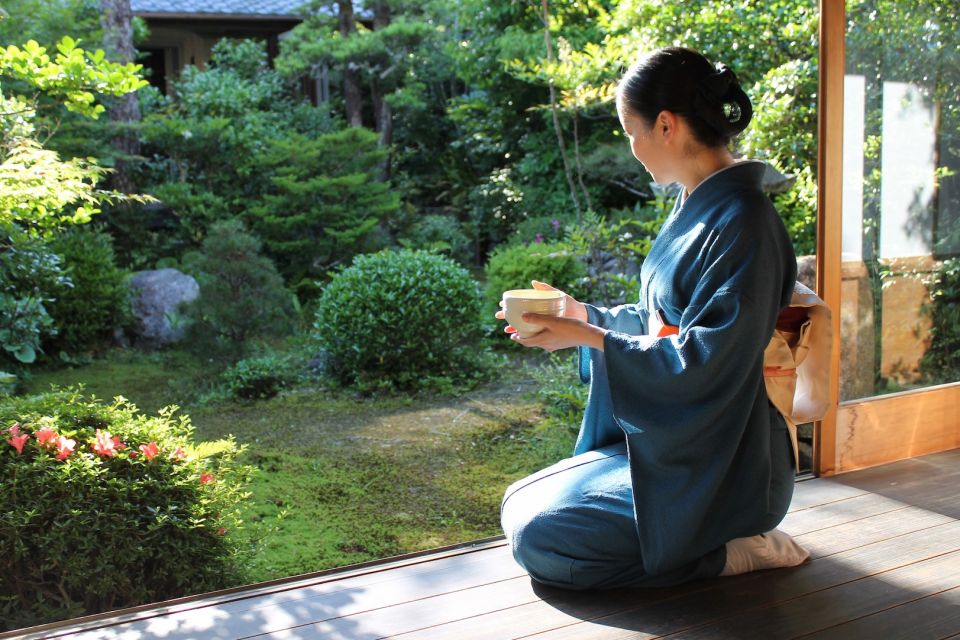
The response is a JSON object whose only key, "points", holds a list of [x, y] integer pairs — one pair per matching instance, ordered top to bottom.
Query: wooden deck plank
{"points": [[764, 589], [324, 601], [830, 607], [541, 615], [929, 618]]}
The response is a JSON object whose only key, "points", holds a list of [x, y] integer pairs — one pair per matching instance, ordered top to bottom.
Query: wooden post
{"points": [[829, 206]]}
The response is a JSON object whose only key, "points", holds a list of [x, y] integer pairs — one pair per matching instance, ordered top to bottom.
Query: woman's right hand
{"points": [[572, 308]]}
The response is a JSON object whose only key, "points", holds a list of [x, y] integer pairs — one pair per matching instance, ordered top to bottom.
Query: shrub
{"points": [[441, 234], [513, 267], [29, 272], [241, 293], [96, 302], [401, 320], [941, 363], [260, 377], [107, 508]]}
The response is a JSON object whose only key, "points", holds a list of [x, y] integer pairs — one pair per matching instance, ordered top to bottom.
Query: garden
{"points": [[248, 333]]}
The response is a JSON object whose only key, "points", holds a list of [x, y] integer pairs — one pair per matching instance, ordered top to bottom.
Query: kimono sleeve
{"points": [[626, 318]]}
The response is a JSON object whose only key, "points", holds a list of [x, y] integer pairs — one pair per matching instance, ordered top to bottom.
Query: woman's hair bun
{"points": [[685, 82], [722, 102]]}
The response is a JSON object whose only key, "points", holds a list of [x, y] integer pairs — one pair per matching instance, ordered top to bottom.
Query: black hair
{"points": [[684, 82]]}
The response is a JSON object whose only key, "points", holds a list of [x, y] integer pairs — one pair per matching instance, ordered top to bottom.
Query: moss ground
{"points": [[354, 478]]}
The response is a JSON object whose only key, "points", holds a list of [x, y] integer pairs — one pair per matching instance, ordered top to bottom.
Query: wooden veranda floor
{"points": [[885, 544]]}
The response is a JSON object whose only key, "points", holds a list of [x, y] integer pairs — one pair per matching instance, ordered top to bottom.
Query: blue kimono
{"points": [[679, 450]]}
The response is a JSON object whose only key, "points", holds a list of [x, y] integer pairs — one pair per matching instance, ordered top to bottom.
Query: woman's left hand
{"points": [[560, 333]]}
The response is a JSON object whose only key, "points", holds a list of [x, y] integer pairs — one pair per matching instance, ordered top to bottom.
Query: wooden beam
{"points": [[829, 207], [897, 426]]}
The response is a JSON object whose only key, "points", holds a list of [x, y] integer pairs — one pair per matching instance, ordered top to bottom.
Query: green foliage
{"points": [[205, 145], [324, 201], [440, 234], [614, 250], [513, 267], [30, 273], [241, 294], [95, 302], [401, 320], [941, 362], [261, 377], [559, 389], [117, 509]]}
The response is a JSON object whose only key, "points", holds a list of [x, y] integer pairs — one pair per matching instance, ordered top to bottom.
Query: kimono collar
{"points": [[743, 174]]}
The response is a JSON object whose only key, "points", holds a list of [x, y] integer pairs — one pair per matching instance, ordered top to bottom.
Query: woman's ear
{"points": [[666, 126]]}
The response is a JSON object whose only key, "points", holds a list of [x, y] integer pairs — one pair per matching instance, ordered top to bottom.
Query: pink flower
{"points": [[555, 224], [538, 238], [14, 429], [47, 437], [17, 440], [117, 444], [103, 445], [65, 447], [150, 451], [178, 454], [206, 478], [221, 531]]}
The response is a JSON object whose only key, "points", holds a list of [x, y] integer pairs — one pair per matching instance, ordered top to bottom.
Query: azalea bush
{"points": [[105, 508]]}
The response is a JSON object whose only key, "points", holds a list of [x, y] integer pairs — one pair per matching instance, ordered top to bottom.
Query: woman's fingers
{"points": [[543, 286], [500, 315]]}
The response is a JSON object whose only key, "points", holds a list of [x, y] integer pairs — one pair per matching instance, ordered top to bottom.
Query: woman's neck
{"points": [[703, 164]]}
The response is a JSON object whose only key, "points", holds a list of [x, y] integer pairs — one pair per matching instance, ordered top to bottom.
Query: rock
{"points": [[807, 271], [157, 298]]}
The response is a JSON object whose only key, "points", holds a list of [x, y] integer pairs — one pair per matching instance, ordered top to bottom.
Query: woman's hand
{"points": [[570, 330], [560, 333]]}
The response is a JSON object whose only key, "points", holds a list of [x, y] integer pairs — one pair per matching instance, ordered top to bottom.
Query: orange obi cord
{"points": [[668, 330], [778, 372]]}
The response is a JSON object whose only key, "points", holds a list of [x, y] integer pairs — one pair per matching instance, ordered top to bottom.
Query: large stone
{"points": [[157, 299]]}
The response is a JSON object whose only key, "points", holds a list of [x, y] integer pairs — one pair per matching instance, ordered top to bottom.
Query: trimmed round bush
{"points": [[514, 266], [398, 319], [106, 508]]}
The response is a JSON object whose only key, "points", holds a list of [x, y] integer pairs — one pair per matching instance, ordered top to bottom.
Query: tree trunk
{"points": [[116, 19], [351, 75], [381, 109], [556, 117]]}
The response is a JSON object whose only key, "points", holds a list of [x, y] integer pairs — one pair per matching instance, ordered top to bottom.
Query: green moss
{"points": [[343, 479]]}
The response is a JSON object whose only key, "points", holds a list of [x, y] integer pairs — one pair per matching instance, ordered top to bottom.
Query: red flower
{"points": [[14, 429], [47, 436], [17, 441], [117, 444], [103, 445], [65, 447], [150, 451], [178, 454], [206, 478], [221, 531]]}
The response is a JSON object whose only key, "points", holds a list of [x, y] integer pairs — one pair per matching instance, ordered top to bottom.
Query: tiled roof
{"points": [[226, 7]]}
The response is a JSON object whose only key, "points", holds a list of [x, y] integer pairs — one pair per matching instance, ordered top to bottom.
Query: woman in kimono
{"points": [[682, 468]]}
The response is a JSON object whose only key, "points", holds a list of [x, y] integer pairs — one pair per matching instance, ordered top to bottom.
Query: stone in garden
{"points": [[807, 271], [157, 299]]}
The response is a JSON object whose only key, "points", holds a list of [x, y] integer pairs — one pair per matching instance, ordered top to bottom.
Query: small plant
{"points": [[513, 267], [399, 320], [260, 377], [560, 390], [107, 508]]}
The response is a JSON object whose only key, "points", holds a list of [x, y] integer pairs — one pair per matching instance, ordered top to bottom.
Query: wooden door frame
{"points": [[870, 431]]}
